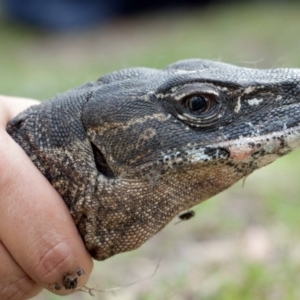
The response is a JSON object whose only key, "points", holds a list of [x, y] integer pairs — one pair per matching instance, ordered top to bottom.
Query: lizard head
{"points": [[194, 115], [168, 139], [132, 150]]}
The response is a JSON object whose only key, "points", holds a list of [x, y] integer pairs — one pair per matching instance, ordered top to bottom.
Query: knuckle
{"points": [[55, 262], [19, 289]]}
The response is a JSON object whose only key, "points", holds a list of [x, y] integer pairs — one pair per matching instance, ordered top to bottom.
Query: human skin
{"points": [[39, 243]]}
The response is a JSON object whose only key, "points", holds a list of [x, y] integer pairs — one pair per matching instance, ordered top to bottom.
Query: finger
{"points": [[11, 106], [35, 225], [15, 284]]}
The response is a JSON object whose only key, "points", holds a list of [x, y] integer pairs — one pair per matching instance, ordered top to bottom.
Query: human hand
{"points": [[39, 243]]}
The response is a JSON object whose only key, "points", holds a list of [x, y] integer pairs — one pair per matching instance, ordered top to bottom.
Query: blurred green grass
{"points": [[243, 243]]}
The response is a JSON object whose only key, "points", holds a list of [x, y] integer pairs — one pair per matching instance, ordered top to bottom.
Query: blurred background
{"points": [[242, 244]]}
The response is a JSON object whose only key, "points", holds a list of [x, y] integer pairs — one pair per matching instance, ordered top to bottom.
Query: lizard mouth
{"points": [[278, 143], [262, 149], [101, 163]]}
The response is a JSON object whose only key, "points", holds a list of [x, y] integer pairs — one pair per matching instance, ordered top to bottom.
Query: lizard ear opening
{"points": [[101, 163]]}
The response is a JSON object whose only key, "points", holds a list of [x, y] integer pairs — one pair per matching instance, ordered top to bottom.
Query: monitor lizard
{"points": [[133, 149]]}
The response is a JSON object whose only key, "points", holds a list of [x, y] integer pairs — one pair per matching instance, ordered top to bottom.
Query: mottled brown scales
{"points": [[129, 152]]}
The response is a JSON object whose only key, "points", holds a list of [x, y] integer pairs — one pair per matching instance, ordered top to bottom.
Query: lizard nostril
{"points": [[101, 163]]}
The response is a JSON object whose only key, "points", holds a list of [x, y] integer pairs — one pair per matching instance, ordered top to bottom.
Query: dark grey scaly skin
{"points": [[130, 151]]}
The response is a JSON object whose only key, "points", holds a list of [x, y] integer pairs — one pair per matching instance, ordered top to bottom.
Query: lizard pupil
{"points": [[198, 104]]}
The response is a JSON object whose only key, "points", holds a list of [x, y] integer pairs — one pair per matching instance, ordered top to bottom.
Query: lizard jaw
{"points": [[275, 144], [256, 151]]}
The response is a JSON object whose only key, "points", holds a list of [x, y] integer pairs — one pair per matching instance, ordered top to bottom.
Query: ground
{"points": [[242, 244]]}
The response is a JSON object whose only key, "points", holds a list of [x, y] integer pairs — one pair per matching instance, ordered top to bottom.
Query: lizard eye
{"points": [[198, 104]]}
